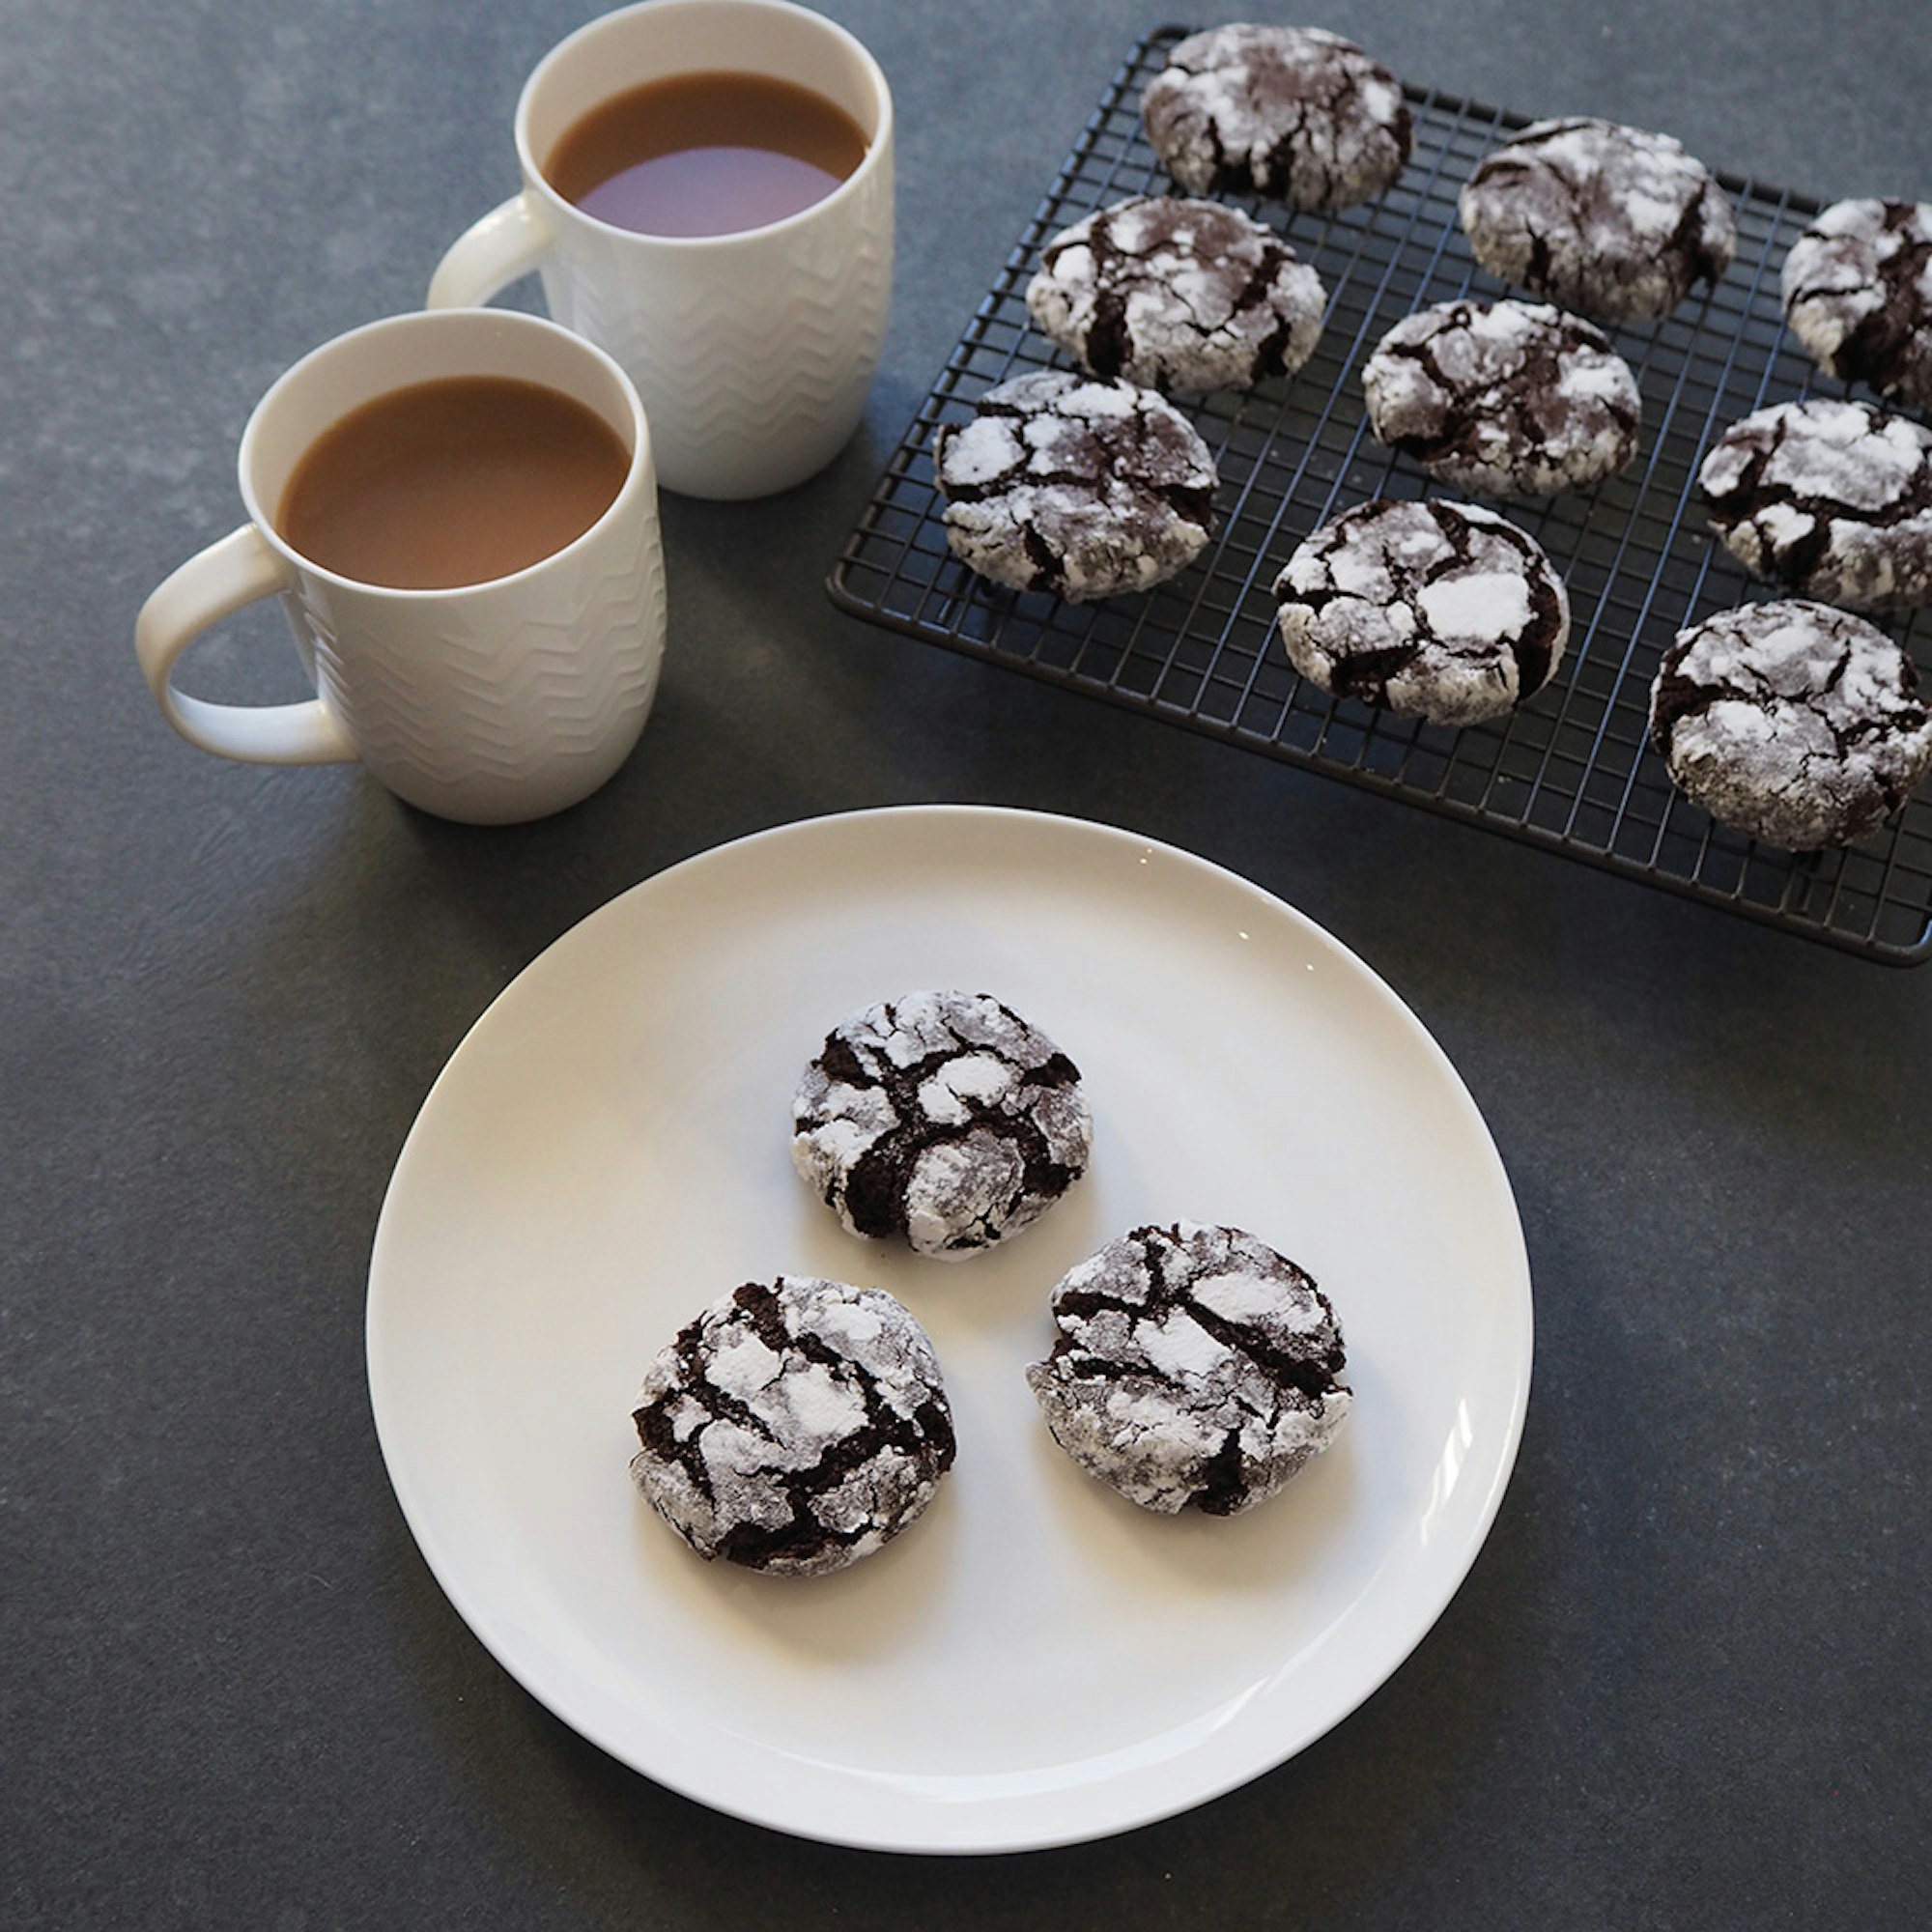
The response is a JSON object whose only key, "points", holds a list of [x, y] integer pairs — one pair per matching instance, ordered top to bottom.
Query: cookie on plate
{"points": [[1294, 113], [1605, 219], [1858, 290], [1181, 295], [1508, 398], [1081, 486], [1827, 498], [1437, 610], [1795, 723], [941, 1118], [1194, 1367], [793, 1428]]}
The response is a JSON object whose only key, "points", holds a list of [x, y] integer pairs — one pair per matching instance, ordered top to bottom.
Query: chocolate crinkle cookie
{"points": [[1294, 113], [1608, 219], [1858, 290], [1181, 295], [1508, 398], [1080, 486], [1832, 500], [1437, 610], [1795, 723], [942, 1120], [1194, 1367], [794, 1428]]}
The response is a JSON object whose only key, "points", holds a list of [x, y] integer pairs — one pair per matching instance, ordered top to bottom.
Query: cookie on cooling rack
{"points": [[1294, 113], [1601, 217], [1858, 290], [1178, 294], [1508, 398], [1083, 486], [1832, 500], [1437, 610], [1795, 723], [940, 1119], [1193, 1367], [793, 1428]]}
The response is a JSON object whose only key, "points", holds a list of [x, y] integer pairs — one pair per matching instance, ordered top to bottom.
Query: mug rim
{"points": [[877, 146], [513, 319]]}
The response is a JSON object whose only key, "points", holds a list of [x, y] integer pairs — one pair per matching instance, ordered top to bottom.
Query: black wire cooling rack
{"points": [[1572, 771]]}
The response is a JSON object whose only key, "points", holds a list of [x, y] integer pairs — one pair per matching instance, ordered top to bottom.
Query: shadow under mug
{"points": [[754, 351], [490, 703]]}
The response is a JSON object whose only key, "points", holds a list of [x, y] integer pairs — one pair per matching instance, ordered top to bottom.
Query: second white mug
{"points": [[754, 351]]}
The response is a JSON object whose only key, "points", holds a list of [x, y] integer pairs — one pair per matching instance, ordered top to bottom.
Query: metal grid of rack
{"points": [[1572, 770]]}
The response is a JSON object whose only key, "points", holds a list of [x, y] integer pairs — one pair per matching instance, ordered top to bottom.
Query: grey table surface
{"points": [[1685, 1683]]}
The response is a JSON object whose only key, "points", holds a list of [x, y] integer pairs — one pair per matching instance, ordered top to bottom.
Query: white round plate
{"points": [[1035, 1661]]}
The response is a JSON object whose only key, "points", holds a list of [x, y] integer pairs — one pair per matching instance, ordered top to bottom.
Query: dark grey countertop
{"points": [[1685, 1682]]}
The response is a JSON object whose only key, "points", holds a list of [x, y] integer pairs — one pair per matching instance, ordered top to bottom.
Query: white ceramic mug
{"points": [[753, 352], [490, 703]]}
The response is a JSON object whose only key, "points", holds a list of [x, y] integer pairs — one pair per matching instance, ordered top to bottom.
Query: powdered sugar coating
{"points": [[1294, 113], [1601, 217], [1858, 290], [1181, 295], [1510, 398], [1076, 485], [1829, 498], [1437, 610], [1795, 723], [940, 1119], [1194, 1367], [794, 1428]]}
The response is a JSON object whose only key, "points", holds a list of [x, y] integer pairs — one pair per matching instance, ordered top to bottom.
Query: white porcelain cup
{"points": [[753, 352], [490, 703]]}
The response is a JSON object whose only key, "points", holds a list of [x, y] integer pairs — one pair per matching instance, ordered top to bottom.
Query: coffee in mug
{"points": [[706, 154], [752, 346], [450, 482], [459, 514]]}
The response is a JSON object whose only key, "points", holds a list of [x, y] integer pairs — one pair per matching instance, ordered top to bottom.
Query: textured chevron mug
{"points": [[754, 351], [492, 702]]}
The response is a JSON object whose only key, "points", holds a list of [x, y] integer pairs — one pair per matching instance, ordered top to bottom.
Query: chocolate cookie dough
{"points": [[1294, 113], [1599, 217], [1858, 290], [1181, 295], [1508, 398], [1076, 485], [1832, 500], [1437, 610], [1795, 723], [942, 1120], [1194, 1367], [793, 1428]]}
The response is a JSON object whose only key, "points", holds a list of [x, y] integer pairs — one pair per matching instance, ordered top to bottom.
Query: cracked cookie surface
{"points": [[1294, 113], [1601, 217], [1858, 290], [1178, 295], [1508, 398], [1081, 486], [1829, 498], [1437, 610], [1795, 723], [940, 1119], [1193, 1367], [793, 1428]]}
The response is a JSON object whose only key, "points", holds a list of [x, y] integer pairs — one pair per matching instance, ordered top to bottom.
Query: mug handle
{"points": [[485, 259], [215, 584]]}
